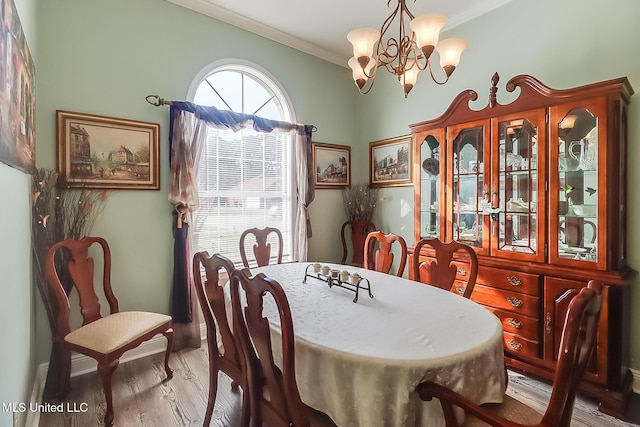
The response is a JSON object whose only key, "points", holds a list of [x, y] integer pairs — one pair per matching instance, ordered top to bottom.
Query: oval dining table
{"points": [[360, 362]]}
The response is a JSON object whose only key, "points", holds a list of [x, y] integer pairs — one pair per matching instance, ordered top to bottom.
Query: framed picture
{"points": [[17, 93], [106, 152], [390, 162], [332, 165]]}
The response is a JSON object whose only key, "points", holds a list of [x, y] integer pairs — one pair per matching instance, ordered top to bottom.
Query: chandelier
{"points": [[405, 56]]}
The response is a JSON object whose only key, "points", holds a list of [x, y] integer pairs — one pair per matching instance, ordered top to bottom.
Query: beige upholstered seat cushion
{"points": [[114, 331], [511, 409]]}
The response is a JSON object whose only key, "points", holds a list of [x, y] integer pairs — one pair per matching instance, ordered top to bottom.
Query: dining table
{"points": [[360, 362]]}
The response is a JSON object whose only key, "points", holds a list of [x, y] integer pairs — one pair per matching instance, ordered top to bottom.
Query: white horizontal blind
{"points": [[244, 181]]}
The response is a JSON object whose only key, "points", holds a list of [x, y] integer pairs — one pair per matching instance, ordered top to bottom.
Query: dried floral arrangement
{"points": [[360, 202], [58, 213]]}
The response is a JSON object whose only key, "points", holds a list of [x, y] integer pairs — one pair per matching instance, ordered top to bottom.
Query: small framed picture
{"points": [[106, 152], [390, 162], [331, 165]]}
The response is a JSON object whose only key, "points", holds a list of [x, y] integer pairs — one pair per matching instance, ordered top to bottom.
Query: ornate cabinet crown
{"points": [[538, 188]]}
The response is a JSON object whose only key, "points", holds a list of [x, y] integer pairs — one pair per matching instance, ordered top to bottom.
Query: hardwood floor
{"points": [[141, 398]]}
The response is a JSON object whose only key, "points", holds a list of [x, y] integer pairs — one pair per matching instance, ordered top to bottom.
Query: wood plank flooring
{"points": [[141, 397]]}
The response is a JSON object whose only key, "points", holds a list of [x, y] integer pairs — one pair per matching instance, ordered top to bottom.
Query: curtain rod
{"points": [[158, 101]]}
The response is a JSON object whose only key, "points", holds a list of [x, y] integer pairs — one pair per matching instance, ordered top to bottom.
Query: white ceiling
{"points": [[320, 27]]}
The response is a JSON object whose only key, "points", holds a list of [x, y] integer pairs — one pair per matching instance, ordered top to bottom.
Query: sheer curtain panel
{"points": [[188, 133]]}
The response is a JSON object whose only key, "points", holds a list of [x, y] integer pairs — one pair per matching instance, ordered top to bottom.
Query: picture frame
{"points": [[17, 94], [107, 152], [390, 162], [331, 165]]}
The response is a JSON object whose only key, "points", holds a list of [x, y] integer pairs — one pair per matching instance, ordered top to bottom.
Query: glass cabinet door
{"points": [[468, 167], [430, 185], [520, 186], [578, 190]]}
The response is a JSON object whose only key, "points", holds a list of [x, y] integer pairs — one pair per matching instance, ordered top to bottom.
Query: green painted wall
{"points": [[564, 44], [104, 57], [16, 297]]}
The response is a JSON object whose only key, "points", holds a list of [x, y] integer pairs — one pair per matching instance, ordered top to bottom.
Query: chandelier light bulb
{"points": [[427, 31], [363, 40], [450, 51], [406, 54], [360, 74], [409, 78]]}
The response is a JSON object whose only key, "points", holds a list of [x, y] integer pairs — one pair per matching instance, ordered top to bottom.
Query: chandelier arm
{"points": [[401, 57], [374, 71], [434, 77], [366, 88]]}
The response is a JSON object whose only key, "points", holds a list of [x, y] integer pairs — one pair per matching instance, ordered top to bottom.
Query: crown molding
{"points": [[473, 12], [225, 15]]}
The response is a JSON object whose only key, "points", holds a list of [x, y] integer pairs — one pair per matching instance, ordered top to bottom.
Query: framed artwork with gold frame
{"points": [[106, 152], [390, 162], [331, 165]]}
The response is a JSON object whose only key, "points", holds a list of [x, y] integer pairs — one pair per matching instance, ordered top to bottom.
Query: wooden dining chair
{"points": [[359, 232], [261, 249], [381, 259], [443, 272], [103, 338], [576, 347], [224, 356], [273, 392]]}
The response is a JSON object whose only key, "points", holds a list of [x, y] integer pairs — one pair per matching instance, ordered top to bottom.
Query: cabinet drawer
{"points": [[515, 281], [510, 301], [526, 327], [518, 345]]}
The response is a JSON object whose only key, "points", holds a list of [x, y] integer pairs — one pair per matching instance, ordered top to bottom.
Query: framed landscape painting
{"points": [[17, 93], [106, 152], [390, 162], [331, 165]]}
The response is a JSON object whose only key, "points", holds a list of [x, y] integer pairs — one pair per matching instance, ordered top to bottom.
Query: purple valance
{"points": [[236, 121]]}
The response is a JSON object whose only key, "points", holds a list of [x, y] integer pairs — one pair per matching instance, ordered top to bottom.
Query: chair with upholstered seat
{"points": [[261, 248], [381, 259], [455, 267], [104, 338], [576, 347], [224, 355], [274, 396]]}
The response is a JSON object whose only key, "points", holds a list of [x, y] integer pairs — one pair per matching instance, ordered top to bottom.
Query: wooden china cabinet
{"points": [[538, 188]]}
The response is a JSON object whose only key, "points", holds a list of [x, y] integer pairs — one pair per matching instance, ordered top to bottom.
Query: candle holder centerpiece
{"points": [[333, 277]]}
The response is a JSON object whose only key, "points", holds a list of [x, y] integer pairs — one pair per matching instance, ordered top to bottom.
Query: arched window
{"points": [[245, 177]]}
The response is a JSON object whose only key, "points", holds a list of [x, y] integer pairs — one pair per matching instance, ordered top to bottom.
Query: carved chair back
{"points": [[359, 232], [261, 249], [381, 259], [443, 272], [211, 297], [274, 395]]}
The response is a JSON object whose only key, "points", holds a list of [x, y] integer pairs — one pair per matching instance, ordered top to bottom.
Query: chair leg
{"points": [[169, 335], [63, 355], [106, 372], [213, 392], [244, 413]]}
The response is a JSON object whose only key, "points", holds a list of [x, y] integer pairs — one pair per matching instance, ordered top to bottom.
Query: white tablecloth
{"points": [[360, 362]]}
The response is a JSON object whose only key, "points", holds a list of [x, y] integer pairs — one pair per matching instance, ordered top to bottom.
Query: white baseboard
{"points": [[81, 364], [636, 380]]}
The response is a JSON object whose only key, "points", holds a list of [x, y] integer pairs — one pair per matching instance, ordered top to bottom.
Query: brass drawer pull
{"points": [[462, 271], [514, 281], [460, 289], [515, 302], [548, 321], [515, 323], [514, 345]]}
